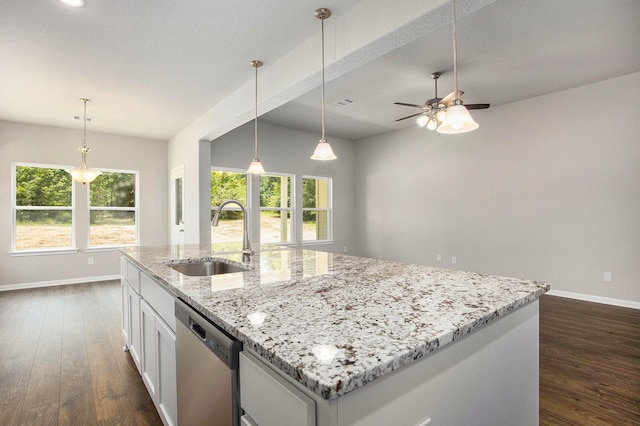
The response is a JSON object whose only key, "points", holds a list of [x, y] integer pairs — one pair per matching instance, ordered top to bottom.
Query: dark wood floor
{"points": [[61, 361], [589, 363]]}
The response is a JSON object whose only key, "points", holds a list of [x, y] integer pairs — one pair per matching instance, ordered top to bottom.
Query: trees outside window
{"points": [[227, 185], [277, 201], [43, 208], [113, 209], [275, 209], [316, 209]]}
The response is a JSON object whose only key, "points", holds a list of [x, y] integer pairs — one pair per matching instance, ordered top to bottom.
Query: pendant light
{"points": [[458, 119], [323, 150], [255, 168], [83, 174]]}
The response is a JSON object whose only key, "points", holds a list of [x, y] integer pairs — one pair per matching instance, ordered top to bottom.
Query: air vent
{"points": [[345, 102]]}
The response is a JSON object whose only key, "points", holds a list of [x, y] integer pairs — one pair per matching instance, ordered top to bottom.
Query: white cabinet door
{"points": [[124, 317], [134, 325], [149, 356], [167, 383], [269, 400]]}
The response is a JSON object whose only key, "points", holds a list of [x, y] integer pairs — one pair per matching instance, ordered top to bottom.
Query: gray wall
{"points": [[28, 143], [283, 150], [547, 189]]}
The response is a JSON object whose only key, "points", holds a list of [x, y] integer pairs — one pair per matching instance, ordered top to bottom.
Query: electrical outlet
{"points": [[345, 249], [439, 257], [454, 259], [90, 260], [607, 276]]}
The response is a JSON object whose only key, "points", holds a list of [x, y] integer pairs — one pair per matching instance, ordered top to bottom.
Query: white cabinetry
{"points": [[131, 309], [148, 324], [269, 400]]}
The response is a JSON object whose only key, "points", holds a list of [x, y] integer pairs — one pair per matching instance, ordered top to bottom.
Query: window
{"points": [[227, 185], [43, 208], [113, 209], [275, 209], [316, 209]]}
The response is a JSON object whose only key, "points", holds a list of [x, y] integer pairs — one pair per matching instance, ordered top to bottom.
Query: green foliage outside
{"points": [[38, 186], [225, 186], [48, 187], [112, 189], [271, 193], [308, 199]]}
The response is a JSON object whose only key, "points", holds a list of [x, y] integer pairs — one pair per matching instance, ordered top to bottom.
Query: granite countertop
{"points": [[380, 315]]}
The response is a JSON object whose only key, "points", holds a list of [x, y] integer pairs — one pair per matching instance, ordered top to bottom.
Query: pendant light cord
{"points": [[455, 51], [256, 119], [84, 124], [323, 138]]}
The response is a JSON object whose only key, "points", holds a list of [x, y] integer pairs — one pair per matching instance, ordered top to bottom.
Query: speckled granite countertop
{"points": [[380, 315]]}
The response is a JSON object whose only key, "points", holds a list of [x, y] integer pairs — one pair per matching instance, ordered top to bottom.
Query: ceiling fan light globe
{"points": [[441, 115], [422, 120], [458, 120], [432, 124]]}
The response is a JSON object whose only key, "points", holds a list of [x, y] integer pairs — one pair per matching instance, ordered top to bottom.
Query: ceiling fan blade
{"points": [[450, 97], [411, 105], [477, 106], [409, 116]]}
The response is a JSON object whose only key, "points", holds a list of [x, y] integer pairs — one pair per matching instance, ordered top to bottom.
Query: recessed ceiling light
{"points": [[73, 3]]}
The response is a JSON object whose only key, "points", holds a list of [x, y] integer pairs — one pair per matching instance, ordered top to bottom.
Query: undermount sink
{"points": [[206, 268]]}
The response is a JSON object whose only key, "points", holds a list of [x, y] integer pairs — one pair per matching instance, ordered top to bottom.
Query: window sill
{"points": [[317, 243], [108, 248], [43, 252]]}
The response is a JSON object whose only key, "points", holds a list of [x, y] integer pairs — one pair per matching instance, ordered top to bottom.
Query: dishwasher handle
{"points": [[198, 330]]}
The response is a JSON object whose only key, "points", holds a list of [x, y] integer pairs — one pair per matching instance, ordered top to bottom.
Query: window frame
{"points": [[135, 209], [291, 209], [14, 210], [329, 211]]}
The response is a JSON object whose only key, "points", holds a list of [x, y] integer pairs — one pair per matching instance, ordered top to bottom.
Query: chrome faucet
{"points": [[246, 246]]}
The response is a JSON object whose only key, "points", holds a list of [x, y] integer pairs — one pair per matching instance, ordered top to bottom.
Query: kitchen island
{"points": [[413, 342]]}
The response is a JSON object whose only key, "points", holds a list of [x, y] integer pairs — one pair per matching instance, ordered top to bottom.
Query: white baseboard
{"points": [[58, 282], [596, 299]]}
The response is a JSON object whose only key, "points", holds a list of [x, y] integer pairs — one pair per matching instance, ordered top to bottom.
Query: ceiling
{"points": [[507, 51], [152, 67]]}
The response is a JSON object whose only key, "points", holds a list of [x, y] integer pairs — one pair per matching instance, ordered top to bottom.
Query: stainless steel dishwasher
{"points": [[207, 371]]}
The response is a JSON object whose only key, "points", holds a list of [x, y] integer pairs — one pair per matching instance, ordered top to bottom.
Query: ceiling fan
{"points": [[434, 109]]}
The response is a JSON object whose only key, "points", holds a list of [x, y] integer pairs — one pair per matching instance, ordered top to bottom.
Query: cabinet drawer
{"points": [[133, 277], [160, 299], [269, 399]]}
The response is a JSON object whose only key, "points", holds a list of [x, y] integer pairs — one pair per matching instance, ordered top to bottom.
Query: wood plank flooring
{"points": [[61, 361], [589, 363]]}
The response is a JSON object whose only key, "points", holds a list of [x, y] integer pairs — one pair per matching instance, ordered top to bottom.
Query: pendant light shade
{"points": [[458, 119], [323, 150], [255, 168], [83, 174]]}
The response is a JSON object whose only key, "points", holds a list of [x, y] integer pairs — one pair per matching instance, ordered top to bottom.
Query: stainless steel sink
{"points": [[206, 268]]}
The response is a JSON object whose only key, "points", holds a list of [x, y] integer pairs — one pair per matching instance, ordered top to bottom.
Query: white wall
{"points": [[51, 145], [283, 150], [547, 189]]}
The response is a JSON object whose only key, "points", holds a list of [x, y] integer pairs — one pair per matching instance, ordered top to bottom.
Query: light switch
{"points": [[607, 276]]}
